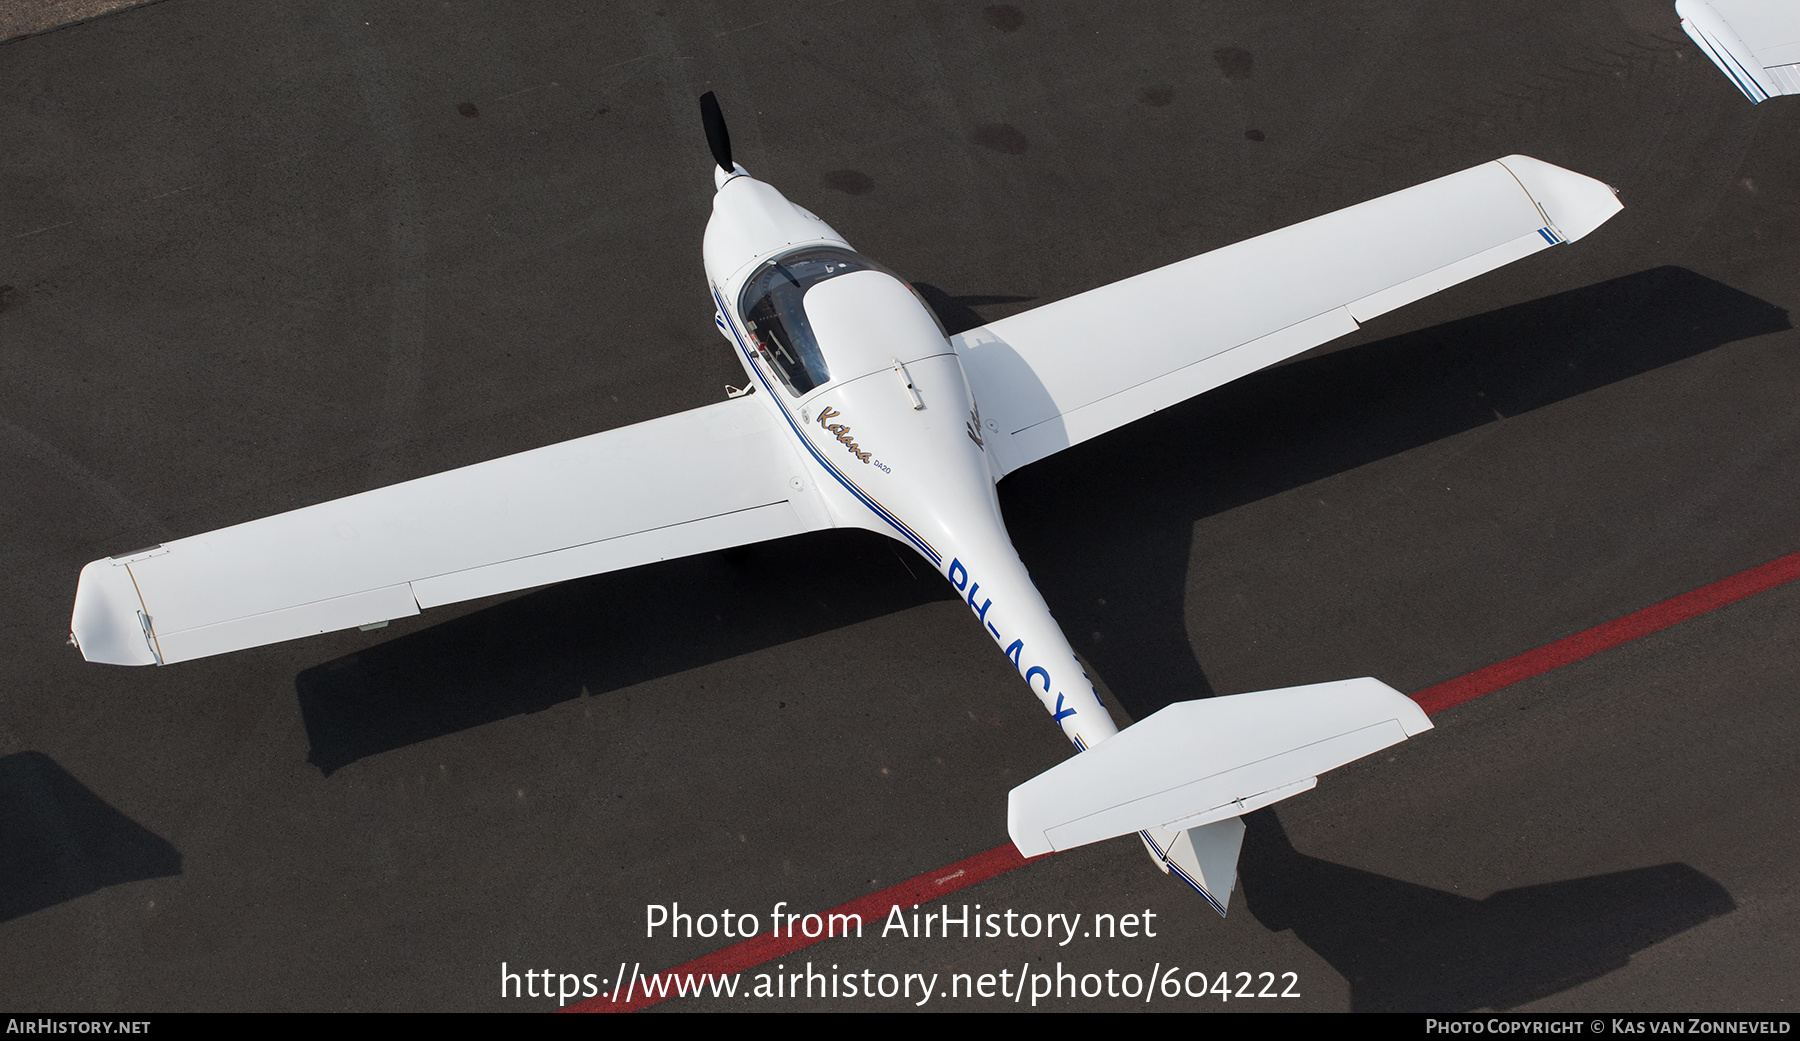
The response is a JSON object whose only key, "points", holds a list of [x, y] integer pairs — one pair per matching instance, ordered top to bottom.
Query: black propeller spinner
{"points": [[716, 137]]}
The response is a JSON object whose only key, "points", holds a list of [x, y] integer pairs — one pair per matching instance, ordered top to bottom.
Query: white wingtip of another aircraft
{"points": [[1755, 43]]}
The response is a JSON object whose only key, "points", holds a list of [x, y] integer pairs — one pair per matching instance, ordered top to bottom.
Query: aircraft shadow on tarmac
{"points": [[1267, 433], [603, 633], [59, 841], [1410, 948]]}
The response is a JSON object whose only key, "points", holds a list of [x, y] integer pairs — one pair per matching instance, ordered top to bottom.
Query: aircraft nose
{"points": [[720, 176]]}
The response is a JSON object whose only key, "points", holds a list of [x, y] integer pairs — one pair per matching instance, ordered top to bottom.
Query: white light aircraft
{"points": [[861, 412]]}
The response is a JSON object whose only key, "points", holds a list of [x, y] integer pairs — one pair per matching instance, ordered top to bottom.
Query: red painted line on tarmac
{"points": [[1603, 637], [642, 992]]}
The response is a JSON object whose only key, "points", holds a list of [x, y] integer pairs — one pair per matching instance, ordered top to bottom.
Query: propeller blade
{"points": [[716, 137]]}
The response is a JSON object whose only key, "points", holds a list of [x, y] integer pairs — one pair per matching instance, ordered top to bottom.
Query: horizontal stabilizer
{"points": [[1197, 762]]}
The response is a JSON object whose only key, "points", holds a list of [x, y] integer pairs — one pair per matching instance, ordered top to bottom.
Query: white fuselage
{"points": [[893, 439]]}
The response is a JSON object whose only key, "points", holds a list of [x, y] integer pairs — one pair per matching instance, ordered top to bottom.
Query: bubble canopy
{"points": [[774, 313]]}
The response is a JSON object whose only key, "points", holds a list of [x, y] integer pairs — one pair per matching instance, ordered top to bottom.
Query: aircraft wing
{"points": [[1755, 43], [1059, 374], [714, 477]]}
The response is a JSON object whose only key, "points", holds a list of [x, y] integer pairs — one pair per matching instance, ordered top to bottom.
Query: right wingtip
{"points": [[1574, 203]]}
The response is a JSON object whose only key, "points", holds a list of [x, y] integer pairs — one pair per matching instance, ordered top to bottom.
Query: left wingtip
{"points": [[108, 624]]}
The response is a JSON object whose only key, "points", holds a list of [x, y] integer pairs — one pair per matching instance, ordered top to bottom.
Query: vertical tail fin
{"points": [[1205, 857]]}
